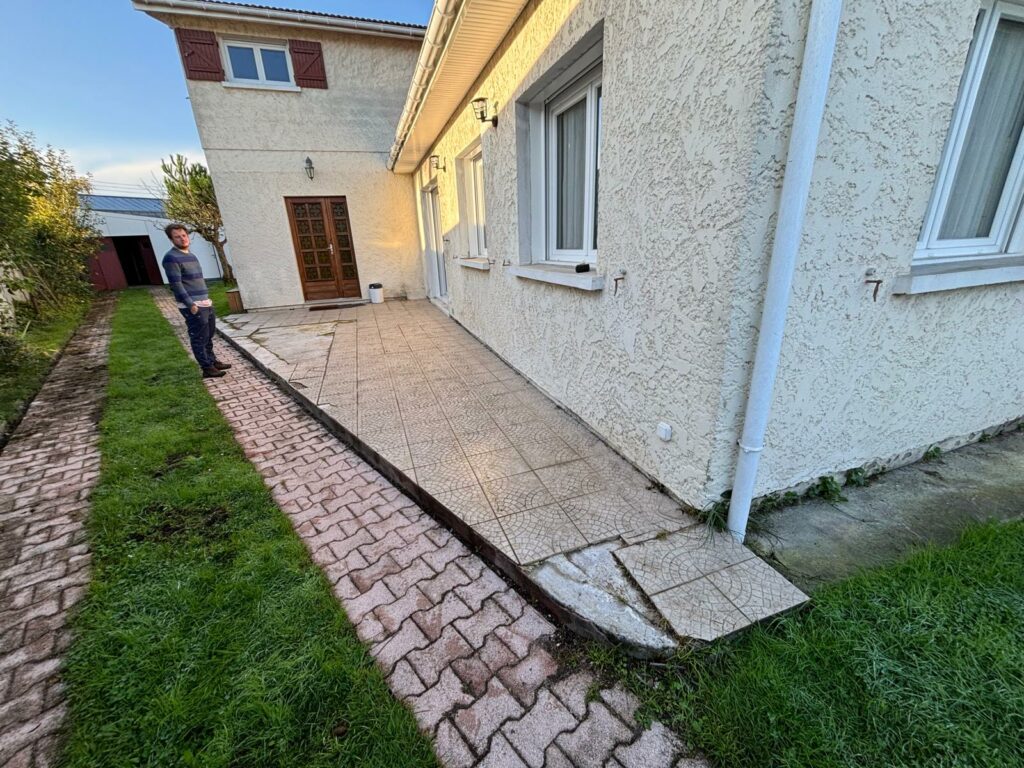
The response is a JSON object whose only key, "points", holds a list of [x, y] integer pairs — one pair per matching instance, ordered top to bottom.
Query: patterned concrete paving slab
{"points": [[422, 392], [454, 420], [47, 471], [705, 584], [467, 653]]}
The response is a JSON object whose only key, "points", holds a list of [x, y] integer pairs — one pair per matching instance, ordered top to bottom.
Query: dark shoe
{"points": [[221, 366], [212, 373]]}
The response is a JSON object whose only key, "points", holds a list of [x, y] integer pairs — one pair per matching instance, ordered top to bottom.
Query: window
{"points": [[258, 63], [572, 123], [975, 210], [475, 213]]}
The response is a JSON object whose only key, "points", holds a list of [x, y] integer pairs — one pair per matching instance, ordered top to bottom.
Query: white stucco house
{"points": [[832, 189]]}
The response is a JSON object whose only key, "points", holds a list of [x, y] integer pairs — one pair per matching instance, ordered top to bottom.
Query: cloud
{"points": [[127, 171]]}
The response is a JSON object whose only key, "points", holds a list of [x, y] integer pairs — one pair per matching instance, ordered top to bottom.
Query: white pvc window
{"points": [[257, 63], [572, 125], [976, 205], [476, 213]]}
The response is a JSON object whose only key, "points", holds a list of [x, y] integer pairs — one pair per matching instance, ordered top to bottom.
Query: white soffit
{"points": [[476, 33]]}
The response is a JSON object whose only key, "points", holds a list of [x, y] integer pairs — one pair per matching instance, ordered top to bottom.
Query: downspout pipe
{"points": [[819, 50]]}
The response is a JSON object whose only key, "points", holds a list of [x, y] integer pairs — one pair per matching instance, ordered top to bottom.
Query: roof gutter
{"points": [[209, 10], [439, 31], [819, 51]]}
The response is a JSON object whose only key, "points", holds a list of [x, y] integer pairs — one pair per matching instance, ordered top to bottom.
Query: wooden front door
{"points": [[323, 247]]}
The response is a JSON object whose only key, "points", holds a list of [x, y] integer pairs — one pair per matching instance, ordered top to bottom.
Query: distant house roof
{"points": [[219, 9], [138, 206]]}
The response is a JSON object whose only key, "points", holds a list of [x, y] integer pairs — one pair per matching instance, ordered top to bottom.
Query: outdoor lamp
{"points": [[480, 110], [436, 164], [309, 168]]}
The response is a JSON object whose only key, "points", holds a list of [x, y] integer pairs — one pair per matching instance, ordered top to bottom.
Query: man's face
{"points": [[180, 239]]}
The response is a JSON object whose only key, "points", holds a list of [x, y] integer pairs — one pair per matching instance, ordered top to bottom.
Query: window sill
{"points": [[262, 86], [475, 263], [559, 275], [930, 278]]}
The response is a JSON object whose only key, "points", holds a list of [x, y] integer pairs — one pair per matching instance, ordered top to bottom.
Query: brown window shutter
{"points": [[200, 54], [308, 64]]}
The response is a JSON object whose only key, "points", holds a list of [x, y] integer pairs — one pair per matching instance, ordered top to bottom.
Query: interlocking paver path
{"points": [[47, 471], [462, 648]]}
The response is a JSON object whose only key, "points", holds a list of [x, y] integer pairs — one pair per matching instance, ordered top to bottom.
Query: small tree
{"points": [[192, 201]]}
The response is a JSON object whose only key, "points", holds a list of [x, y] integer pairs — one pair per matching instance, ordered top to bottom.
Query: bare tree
{"points": [[192, 201]]}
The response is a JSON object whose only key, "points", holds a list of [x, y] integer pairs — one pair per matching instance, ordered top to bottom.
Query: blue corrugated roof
{"points": [[141, 206]]}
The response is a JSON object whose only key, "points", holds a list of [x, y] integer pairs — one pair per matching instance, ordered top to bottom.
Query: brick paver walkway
{"points": [[47, 471], [465, 651]]}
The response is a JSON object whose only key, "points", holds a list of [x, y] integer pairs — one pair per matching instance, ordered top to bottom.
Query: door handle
{"points": [[330, 248]]}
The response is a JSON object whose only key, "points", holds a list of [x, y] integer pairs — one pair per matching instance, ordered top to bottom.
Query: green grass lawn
{"points": [[43, 339], [208, 638], [919, 664]]}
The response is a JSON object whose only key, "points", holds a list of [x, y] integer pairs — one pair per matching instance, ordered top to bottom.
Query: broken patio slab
{"points": [[552, 506]]}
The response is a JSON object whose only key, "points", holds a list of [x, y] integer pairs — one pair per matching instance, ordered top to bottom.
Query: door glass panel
{"points": [[300, 211], [315, 212], [302, 227], [318, 227], [320, 241], [306, 243], [323, 257], [308, 260], [348, 271], [311, 273]]}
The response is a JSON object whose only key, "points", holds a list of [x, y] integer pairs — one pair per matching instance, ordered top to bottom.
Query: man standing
{"points": [[185, 276]]}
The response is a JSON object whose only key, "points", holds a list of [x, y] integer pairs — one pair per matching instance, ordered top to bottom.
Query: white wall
{"points": [[681, 86], [256, 142], [124, 224], [865, 382]]}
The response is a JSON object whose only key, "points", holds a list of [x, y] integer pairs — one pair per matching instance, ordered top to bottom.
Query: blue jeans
{"points": [[201, 327]]}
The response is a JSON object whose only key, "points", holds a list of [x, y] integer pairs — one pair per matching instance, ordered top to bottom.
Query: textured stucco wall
{"points": [[682, 83], [256, 142], [864, 382]]}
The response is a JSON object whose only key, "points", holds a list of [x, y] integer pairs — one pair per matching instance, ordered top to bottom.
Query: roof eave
{"points": [[278, 17]]}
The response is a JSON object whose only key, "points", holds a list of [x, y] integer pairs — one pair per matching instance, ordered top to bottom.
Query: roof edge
{"points": [[280, 17], [439, 32]]}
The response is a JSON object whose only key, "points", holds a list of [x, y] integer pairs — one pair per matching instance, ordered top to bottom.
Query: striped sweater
{"points": [[185, 276]]}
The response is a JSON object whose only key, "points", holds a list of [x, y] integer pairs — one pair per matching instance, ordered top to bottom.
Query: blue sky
{"points": [[104, 81]]}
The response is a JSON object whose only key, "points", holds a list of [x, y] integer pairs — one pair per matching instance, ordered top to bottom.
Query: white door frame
{"points": [[433, 238]]}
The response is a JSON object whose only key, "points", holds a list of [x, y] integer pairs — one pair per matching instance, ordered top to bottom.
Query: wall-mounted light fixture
{"points": [[481, 108], [437, 164], [309, 168]]}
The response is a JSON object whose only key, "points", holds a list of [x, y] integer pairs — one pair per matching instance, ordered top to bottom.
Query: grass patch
{"points": [[219, 296], [42, 338], [208, 638], [918, 664]]}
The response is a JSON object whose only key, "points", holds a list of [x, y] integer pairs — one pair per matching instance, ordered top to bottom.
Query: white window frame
{"points": [[256, 46], [584, 88], [473, 201], [1006, 238]]}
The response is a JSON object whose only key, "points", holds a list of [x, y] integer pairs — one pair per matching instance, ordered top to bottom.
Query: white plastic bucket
{"points": [[376, 293]]}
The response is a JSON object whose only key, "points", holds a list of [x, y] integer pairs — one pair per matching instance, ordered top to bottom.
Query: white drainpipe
{"points": [[803, 143]]}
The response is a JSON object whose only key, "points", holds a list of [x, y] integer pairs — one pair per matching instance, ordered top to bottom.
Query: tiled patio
{"points": [[520, 472]]}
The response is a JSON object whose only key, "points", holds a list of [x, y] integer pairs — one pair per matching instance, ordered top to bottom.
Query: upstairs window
{"points": [[258, 63], [976, 205]]}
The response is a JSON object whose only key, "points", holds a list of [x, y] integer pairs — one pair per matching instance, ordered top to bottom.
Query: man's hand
{"points": [[195, 308]]}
